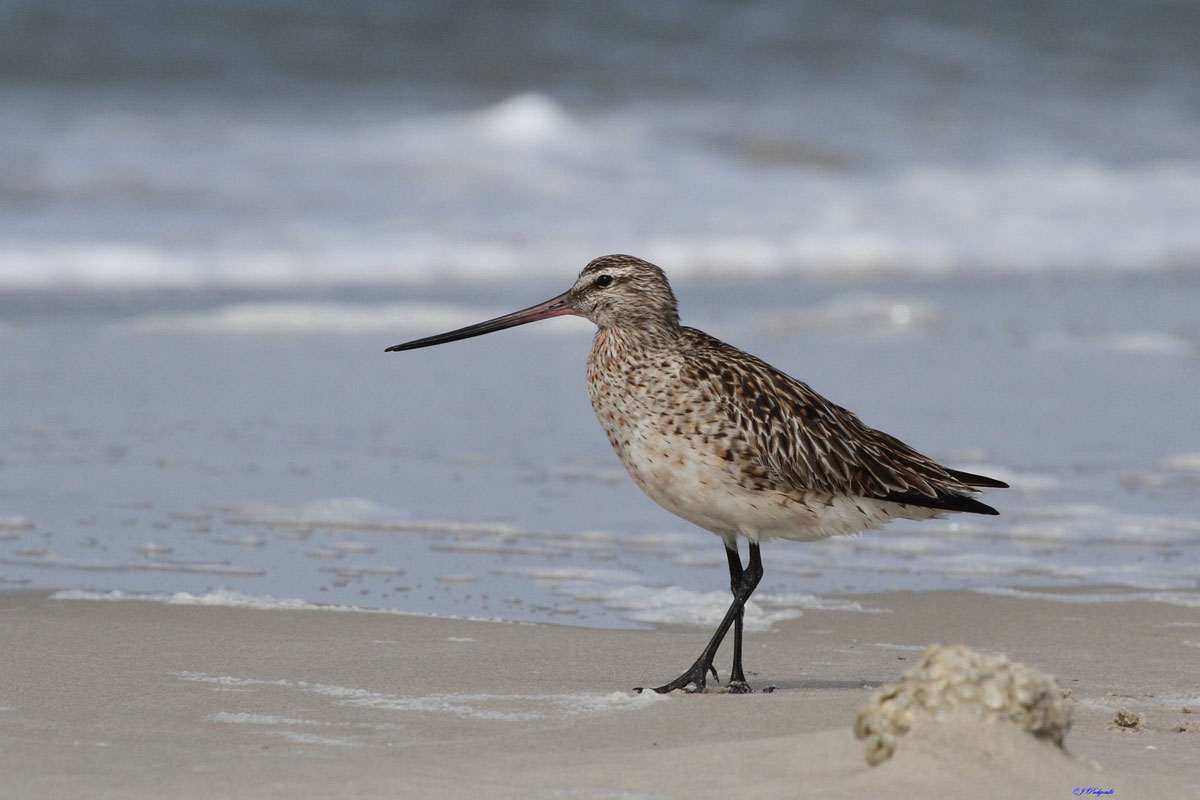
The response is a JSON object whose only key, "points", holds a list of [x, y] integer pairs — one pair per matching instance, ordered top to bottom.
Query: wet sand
{"points": [[147, 700]]}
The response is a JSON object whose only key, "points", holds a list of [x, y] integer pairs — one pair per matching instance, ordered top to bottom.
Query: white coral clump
{"points": [[956, 680]]}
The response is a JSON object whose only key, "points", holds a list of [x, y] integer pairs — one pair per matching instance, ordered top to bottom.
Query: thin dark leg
{"points": [[695, 678], [737, 679]]}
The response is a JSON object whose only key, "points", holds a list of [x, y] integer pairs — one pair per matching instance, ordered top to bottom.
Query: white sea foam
{"points": [[527, 119], [529, 157], [860, 313], [255, 318], [1151, 343], [1184, 462], [1177, 473], [587, 475], [1019, 480], [334, 512], [360, 514], [15, 523], [1095, 523], [664, 541], [908, 545], [354, 548], [489, 548], [189, 567], [363, 572], [572, 574], [1137, 575], [457, 577], [621, 590], [220, 597], [231, 599], [1182, 599], [815, 603]]}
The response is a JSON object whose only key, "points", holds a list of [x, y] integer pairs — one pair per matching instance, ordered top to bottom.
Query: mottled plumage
{"points": [[728, 442], [732, 444]]}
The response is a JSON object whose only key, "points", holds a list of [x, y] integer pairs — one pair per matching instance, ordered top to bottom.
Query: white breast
{"points": [[679, 471]]}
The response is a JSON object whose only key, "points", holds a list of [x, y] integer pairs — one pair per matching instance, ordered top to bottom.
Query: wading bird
{"points": [[728, 442]]}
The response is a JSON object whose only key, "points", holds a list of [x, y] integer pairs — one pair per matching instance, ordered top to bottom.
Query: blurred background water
{"points": [[974, 223]]}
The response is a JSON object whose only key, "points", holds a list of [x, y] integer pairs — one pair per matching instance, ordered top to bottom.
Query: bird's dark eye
{"points": [[604, 280]]}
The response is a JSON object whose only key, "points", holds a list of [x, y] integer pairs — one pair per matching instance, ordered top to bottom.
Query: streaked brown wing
{"points": [[808, 443]]}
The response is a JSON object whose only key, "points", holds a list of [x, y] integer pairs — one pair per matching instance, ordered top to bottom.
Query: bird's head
{"points": [[611, 291], [624, 291]]}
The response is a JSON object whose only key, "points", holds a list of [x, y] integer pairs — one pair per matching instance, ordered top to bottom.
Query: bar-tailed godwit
{"points": [[728, 442]]}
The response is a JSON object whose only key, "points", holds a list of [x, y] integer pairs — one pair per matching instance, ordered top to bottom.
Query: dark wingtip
{"points": [[945, 502], [966, 505], [984, 508]]}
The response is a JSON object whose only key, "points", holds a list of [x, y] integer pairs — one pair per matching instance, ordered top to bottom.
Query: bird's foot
{"points": [[692, 682], [741, 687]]}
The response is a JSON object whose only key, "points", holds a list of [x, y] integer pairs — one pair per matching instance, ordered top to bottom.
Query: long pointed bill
{"points": [[554, 307]]}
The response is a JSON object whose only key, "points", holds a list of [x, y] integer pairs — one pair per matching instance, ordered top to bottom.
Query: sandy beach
{"points": [[247, 553], [133, 699]]}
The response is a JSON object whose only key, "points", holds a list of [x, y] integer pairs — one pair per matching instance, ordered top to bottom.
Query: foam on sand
{"points": [[621, 590], [483, 706], [244, 718], [309, 738]]}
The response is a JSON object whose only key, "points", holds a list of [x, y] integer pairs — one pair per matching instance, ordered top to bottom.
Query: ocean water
{"points": [[975, 226]]}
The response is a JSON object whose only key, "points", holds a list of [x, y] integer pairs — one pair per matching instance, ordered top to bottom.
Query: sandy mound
{"points": [[957, 682]]}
